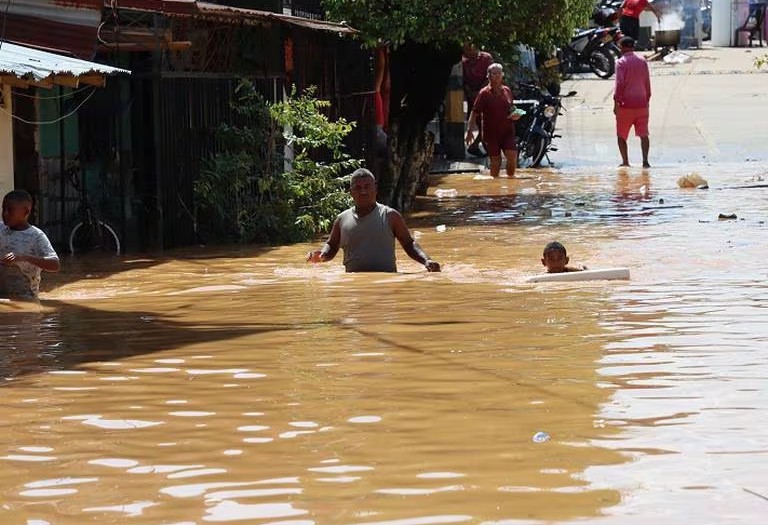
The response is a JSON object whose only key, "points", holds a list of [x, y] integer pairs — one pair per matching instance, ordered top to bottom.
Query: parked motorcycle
{"points": [[608, 18], [590, 48], [536, 129]]}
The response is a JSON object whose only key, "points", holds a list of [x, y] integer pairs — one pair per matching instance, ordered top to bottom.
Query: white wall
{"points": [[721, 23], [6, 142]]}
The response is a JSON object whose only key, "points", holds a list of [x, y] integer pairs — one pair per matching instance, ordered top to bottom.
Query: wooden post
{"points": [[453, 139], [6, 140]]}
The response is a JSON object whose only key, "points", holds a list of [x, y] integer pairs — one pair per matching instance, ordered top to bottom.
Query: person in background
{"points": [[629, 21], [474, 65], [631, 99], [495, 105], [367, 232], [24, 249], [555, 258]]}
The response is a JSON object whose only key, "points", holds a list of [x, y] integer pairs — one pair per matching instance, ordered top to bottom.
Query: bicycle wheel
{"points": [[96, 237]]}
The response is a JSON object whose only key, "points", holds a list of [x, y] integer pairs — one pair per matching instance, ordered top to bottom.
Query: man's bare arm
{"points": [[656, 11], [471, 125], [409, 244], [331, 247]]}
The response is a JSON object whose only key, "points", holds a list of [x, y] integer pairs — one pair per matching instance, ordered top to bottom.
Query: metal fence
{"points": [[190, 110]]}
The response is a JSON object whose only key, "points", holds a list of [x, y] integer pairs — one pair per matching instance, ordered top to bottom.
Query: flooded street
{"points": [[248, 387]]}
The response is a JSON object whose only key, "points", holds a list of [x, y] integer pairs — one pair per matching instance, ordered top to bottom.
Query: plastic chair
{"points": [[754, 24]]}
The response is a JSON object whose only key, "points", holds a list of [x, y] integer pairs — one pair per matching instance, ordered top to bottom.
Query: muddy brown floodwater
{"points": [[245, 386]]}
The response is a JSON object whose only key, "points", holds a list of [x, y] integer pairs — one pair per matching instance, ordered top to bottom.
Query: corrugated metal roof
{"points": [[160, 6], [234, 15], [245, 15], [317, 25], [66, 26], [70, 26], [32, 64]]}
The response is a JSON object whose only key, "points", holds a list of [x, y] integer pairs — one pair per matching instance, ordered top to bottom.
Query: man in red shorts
{"points": [[631, 99], [495, 104]]}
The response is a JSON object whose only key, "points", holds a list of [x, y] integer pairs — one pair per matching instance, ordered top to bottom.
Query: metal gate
{"points": [[189, 109]]}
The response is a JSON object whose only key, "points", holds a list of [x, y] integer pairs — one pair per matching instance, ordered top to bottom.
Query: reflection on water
{"points": [[247, 387]]}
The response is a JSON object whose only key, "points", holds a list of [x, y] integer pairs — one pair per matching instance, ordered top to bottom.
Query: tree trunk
{"points": [[419, 77]]}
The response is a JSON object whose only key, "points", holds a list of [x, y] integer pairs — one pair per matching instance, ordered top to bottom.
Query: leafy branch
{"points": [[245, 190]]}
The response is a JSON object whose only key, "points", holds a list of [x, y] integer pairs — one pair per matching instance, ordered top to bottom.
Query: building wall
{"points": [[6, 141]]}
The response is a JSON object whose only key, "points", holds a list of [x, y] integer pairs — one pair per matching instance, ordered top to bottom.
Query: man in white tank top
{"points": [[367, 232]]}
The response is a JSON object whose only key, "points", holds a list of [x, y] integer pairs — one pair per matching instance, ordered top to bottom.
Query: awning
{"points": [[23, 66]]}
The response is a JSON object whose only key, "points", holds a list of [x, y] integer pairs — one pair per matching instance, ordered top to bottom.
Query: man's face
{"points": [[470, 51], [495, 77], [363, 191], [15, 213], [555, 261]]}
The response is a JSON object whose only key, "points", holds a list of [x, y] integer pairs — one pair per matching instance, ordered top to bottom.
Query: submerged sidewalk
{"points": [[468, 165]]}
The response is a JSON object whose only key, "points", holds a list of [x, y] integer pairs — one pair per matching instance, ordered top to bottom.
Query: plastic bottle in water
{"points": [[449, 192], [540, 437]]}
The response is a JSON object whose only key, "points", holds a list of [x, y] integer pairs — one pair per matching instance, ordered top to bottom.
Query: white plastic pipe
{"points": [[606, 274]]}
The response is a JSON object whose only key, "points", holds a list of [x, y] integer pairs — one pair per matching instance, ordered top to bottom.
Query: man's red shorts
{"points": [[628, 117], [494, 145]]}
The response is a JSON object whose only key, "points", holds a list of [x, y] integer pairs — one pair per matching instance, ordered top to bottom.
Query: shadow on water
{"points": [[75, 268], [63, 335]]}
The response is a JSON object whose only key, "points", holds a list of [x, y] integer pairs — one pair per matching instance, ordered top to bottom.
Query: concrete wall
{"points": [[6, 141]]}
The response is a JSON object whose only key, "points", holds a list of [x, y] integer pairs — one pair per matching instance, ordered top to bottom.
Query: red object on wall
{"points": [[382, 87]]}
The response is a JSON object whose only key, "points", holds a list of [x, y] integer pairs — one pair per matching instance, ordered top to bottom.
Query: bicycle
{"points": [[89, 234]]}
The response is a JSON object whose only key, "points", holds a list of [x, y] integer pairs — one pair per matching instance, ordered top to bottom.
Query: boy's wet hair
{"points": [[627, 41], [359, 174], [18, 196], [555, 246]]}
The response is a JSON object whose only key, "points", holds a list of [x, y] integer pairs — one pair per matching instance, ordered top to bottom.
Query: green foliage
{"points": [[497, 24], [761, 61], [317, 189], [244, 190]]}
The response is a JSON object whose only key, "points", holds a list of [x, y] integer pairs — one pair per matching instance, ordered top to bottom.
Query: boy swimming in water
{"points": [[555, 258]]}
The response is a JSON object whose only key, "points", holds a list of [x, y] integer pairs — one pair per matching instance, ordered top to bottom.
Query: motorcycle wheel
{"points": [[602, 63], [531, 152]]}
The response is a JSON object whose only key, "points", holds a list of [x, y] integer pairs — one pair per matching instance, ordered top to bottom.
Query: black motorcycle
{"points": [[608, 18], [592, 49], [536, 129]]}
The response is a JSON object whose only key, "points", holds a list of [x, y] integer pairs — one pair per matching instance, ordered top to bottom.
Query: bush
{"points": [[244, 189]]}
